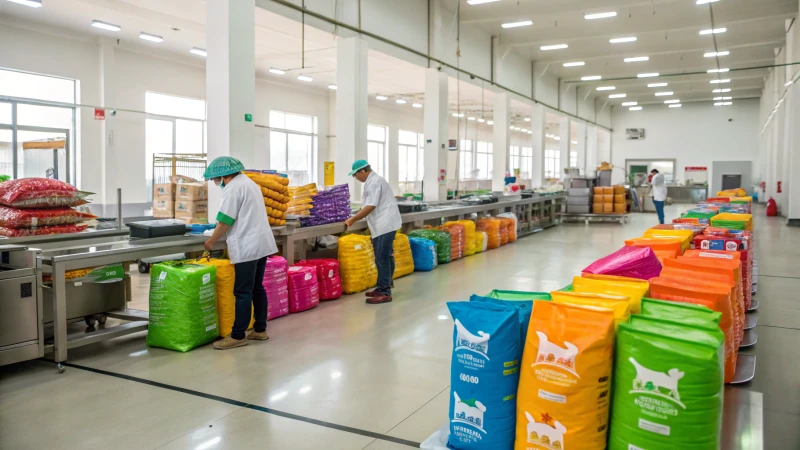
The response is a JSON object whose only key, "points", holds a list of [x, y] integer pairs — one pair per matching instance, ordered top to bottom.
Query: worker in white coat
{"points": [[659, 193], [383, 218], [242, 219]]}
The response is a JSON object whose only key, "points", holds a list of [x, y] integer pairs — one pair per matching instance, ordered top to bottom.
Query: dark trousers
{"points": [[659, 210], [383, 246], [249, 293]]}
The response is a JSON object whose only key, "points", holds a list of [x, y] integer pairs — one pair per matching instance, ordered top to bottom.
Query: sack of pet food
{"points": [[40, 193], [30, 218], [507, 226], [512, 226], [491, 227], [469, 236], [441, 238], [481, 241], [424, 253], [403, 258], [629, 261], [357, 263], [276, 283], [330, 283], [627, 287], [303, 288], [520, 300], [226, 302], [618, 304], [183, 305], [686, 313], [483, 375], [564, 384], [668, 388]]}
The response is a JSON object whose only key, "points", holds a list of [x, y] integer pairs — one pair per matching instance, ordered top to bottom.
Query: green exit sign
{"points": [[248, 117]]}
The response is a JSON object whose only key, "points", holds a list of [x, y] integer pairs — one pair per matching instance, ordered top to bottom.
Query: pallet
{"points": [[620, 218]]}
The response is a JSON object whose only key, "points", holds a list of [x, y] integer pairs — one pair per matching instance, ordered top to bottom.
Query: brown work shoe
{"points": [[374, 293], [379, 299], [257, 336], [229, 342]]}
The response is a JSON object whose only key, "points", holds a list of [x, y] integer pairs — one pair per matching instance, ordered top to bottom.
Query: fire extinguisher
{"points": [[780, 187], [772, 208]]}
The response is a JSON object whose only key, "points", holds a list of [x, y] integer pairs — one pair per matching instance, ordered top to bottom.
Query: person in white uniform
{"points": [[659, 193], [383, 218], [242, 219]]}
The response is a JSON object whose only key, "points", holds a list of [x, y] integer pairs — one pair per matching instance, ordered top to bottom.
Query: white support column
{"points": [[230, 84], [352, 109], [435, 119], [564, 133], [580, 138], [537, 139], [500, 140], [591, 149], [392, 160], [108, 166], [793, 179]]}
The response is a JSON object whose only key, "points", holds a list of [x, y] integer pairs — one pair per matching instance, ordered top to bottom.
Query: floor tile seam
{"points": [[241, 404], [418, 409], [205, 425]]}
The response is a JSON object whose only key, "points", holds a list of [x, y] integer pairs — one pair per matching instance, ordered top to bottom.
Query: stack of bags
{"points": [[275, 190], [738, 192], [164, 196], [300, 199], [609, 200], [191, 202], [38, 206], [329, 206], [703, 215], [733, 221], [512, 226], [491, 227], [508, 229], [469, 236], [442, 240], [481, 241], [458, 243], [732, 245], [424, 253], [403, 257], [629, 261], [357, 263], [276, 283], [330, 283], [303, 288], [226, 302]]}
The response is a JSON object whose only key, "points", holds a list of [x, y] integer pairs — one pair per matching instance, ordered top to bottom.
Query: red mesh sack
{"points": [[39, 193], [31, 218], [507, 227], [55, 229], [492, 229], [458, 242], [330, 283], [303, 288]]}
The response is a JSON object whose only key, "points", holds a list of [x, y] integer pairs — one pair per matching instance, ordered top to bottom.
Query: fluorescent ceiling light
{"points": [[480, 2], [703, 2], [31, 3], [602, 15], [523, 23], [105, 25], [713, 31], [150, 37], [622, 40], [554, 47], [199, 51], [713, 54], [637, 59], [574, 64], [718, 70], [277, 71], [647, 75], [305, 78], [591, 78], [726, 80], [788, 83], [652, 85], [332, 87], [606, 88], [718, 91], [664, 94], [617, 95], [381, 97], [727, 98], [716, 99], [400, 101], [671, 101], [629, 103], [727, 103], [718, 104], [419, 105], [675, 106], [635, 108], [455, 115], [470, 118], [527, 119], [481, 120], [490, 122], [524, 130], [530, 132], [558, 138], [575, 142]]}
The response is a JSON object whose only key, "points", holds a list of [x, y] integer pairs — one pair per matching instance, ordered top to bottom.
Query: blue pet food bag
{"points": [[424, 253], [525, 308]]}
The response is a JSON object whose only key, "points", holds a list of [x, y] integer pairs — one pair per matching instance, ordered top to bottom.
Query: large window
{"points": [[377, 137], [293, 146], [410, 148], [521, 158], [573, 159], [465, 160], [484, 160], [552, 162]]}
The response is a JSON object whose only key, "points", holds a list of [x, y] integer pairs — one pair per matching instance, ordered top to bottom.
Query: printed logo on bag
{"points": [[715, 255], [162, 276], [206, 278], [465, 340], [552, 354], [664, 386], [469, 412], [548, 433]]}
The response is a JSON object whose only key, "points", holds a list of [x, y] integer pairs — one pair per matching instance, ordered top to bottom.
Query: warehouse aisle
{"points": [[353, 376]]}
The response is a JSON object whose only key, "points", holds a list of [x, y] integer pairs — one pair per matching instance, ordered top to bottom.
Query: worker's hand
{"points": [[349, 222], [209, 245]]}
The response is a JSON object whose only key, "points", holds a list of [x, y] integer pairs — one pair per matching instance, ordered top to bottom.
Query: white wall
{"points": [[695, 135]]}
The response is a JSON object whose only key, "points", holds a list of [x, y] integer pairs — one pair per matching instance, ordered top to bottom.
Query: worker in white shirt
{"points": [[659, 193], [383, 218], [249, 239]]}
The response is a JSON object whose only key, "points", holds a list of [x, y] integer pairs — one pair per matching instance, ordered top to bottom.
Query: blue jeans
{"points": [[659, 210], [383, 246], [250, 296]]}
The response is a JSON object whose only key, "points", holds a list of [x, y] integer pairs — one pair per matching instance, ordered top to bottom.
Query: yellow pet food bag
{"points": [[633, 290], [226, 302], [618, 304], [563, 395]]}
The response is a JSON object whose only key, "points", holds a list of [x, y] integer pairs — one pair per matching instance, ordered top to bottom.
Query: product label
{"points": [[357, 247], [715, 255], [162, 276], [307, 277], [206, 278], [211, 327], [554, 363], [549, 396], [469, 412], [654, 427], [547, 432]]}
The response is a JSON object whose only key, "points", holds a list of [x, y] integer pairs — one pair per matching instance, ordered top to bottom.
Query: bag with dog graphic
{"points": [[483, 375], [564, 384], [668, 386]]}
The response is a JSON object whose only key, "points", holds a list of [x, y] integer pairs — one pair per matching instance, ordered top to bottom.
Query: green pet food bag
{"points": [[685, 313]]}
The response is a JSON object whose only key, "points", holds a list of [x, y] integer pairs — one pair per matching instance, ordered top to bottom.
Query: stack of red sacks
{"points": [[39, 206], [276, 283], [330, 283], [303, 288]]}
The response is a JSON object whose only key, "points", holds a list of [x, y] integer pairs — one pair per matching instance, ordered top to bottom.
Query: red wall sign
{"points": [[99, 114], [696, 169]]}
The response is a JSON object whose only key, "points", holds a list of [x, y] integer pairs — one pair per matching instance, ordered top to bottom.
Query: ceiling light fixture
{"points": [[479, 2], [703, 2], [31, 3], [602, 15], [523, 23], [105, 25], [713, 31], [150, 37], [622, 40], [554, 47], [199, 51], [714, 54], [637, 59], [574, 64], [718, 70], [276, 71], [647, 75], [305, 78], [592, 78], [723, 81], [789, 82], [652, 85], [332, 87], [606, 88], [718, 91], [664, 94], [617, 95], [381, 97], [727, 98], [717, 99], [400, 101], [671, 101], [630, 103], [727, 103], [419, 105], [675, 106], [635, 108], [470, 118], [527, 119], [481, 120], [490, 122], [524, 130], [530, 132], [558, 138], [575, 142]]}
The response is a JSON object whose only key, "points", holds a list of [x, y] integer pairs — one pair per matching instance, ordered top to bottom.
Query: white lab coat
{"points": [[659, 188], [386, 216], [250, 237]]}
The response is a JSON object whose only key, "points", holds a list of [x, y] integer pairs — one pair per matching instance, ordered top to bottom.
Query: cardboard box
{"points": [[182, 179], [598, 190], [608, 190], [619, 190], [164, 191], [192, 191], [608, 198], [598, 199], [619, 199], [191, 207], [163, 208], [597, 208], [608, 208], [620, 208], [190, 219]]}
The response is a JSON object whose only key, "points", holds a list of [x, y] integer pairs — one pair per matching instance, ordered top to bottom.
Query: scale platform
{"points": [[753, 305], [750, 322], [749, 338], [745, 369]]}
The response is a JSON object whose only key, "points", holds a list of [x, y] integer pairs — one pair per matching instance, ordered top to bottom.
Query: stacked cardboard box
{"points": [[579, 200], [609, 200], [164, 201], [191, 202], [620, 203]]}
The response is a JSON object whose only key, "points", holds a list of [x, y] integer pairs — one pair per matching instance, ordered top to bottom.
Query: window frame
{"points": [[404, 148], [382, 168], [312, 170]]}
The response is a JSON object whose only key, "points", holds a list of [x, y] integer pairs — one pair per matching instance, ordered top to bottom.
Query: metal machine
{"points": [[21, 319]]}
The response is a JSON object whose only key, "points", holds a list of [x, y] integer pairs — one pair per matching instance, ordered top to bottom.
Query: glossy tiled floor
{"points": [[335, 376]]}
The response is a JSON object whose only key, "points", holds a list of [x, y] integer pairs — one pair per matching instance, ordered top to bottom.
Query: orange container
{"points": [[598, 190], [608, 190], [619, 190], [608, 198], [619, 198], [598, 208], [608, 208], [620, 208], [661, 244]]}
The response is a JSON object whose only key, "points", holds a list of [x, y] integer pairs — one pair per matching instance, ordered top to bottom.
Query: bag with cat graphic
{"points": [[483, 375], [564, 383], [668, 385]]}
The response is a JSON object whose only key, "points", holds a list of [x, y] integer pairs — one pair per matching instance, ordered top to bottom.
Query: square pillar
{"points": [[351, 109], [564, 133], [436, 135], [500, 140], [537, 140], [580, 147], [591, 149]]}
